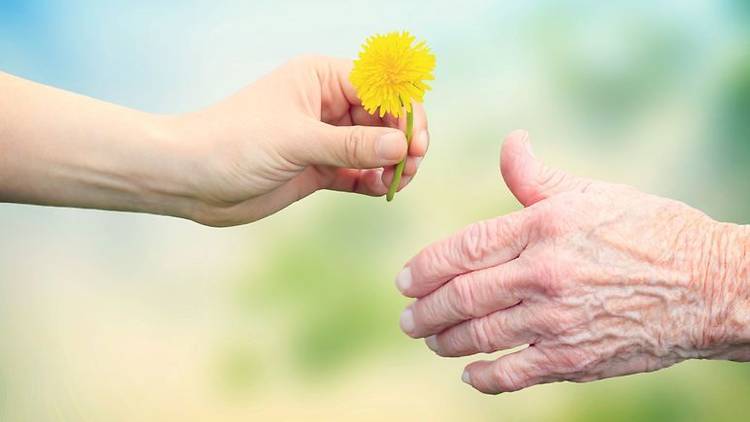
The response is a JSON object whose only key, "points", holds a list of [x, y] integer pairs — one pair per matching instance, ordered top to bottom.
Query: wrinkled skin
{"points": [[598, 279]]}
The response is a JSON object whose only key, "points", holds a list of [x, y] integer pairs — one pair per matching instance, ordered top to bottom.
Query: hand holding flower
{"points": [[389, 76], [299, 129]]}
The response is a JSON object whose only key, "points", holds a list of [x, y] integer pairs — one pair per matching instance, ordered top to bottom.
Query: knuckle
{"points": [[353, 146], [551, 179], [562, 206], [545, 210], [548, 218], [533, 220], [475, 241], [434, 257], [555, 275], [524, 276], [547, 278], [465, 302], [428, 312], [553, 323], [480, 335], [567, 362], [578, 363], [509, 379]]}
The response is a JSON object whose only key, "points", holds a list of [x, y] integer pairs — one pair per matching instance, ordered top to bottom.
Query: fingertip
{"points": [[420, 116], [517, 135], [521, 137], [513, 141], [420, 144], [391, 147], [411, 166], [521, 170], [387, 175], [405, 179], [373, 180], [404, 280], [406, 321], [432, 343], [475, 373], [469, 376], [466, 377]]}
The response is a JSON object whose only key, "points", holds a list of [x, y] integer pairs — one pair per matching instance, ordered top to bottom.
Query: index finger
{"points": [[339, 100], [339, 103], [481, 245]]}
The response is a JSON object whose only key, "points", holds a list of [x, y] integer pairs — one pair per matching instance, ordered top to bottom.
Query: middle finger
{"points": [[471, 295]]}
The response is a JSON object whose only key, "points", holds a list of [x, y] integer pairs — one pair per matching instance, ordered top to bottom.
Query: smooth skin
{"points": [[298, 130], [599, 280]]}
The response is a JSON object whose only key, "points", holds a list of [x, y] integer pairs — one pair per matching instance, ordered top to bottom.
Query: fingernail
{"points": [[391, 146], [419, 161], [403, 279], [407, 321], [431, 342], [465, 377]]}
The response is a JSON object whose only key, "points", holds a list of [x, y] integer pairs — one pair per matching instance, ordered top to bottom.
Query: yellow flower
{"points": [[390, 72]]}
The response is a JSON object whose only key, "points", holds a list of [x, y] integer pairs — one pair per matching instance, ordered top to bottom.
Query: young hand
{"points": [[298, 130], [295, 131]]}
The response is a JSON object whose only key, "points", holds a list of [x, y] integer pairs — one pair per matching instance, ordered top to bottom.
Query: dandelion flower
{"points": [[391, 72], [389, 75]]}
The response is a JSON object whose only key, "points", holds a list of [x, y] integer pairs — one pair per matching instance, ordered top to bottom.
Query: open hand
{"points": [[598, 279]]}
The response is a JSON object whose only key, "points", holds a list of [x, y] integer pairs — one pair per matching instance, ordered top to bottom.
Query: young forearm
{"points": [[59, 148]]}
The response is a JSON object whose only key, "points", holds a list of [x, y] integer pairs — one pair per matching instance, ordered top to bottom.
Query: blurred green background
{"points": [[109, 317]]}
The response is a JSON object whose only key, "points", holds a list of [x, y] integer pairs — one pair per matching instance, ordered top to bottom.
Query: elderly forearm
{"points": [[63, 149]]}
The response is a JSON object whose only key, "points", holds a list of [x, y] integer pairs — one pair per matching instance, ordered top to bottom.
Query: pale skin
{"points": [[295, 131], [599, 280]]}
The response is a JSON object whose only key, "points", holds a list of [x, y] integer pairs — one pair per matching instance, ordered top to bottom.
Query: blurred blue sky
{"points": [[172, 56]]}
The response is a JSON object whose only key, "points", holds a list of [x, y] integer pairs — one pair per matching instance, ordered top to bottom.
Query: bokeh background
{"points": [[124, 317]]}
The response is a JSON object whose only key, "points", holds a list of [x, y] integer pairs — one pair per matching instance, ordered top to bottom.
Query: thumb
{"points": [[358, 147], [529, 179]]}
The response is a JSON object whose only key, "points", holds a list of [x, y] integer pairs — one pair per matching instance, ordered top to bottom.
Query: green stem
{"points": [[400, 167]]}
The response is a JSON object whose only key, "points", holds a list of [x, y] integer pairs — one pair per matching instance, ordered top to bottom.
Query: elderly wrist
{"points": [[727, 287]]}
